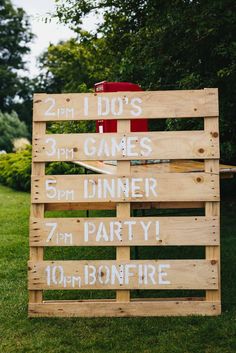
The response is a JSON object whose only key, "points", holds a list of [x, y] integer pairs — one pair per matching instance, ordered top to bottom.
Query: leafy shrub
{"points": [[68, 127], [10, 128], [20, 144], [60, 168], [15, 169]]}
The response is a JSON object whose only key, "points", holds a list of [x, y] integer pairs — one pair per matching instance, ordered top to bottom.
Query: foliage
{"points": [[15, 35], [177, 44], [75, 65], [68, 127], [10, 128], [20, 144], [60, 168], [15, 169]]}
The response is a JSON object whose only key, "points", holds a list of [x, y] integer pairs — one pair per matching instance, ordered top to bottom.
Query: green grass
{"points": [[101, 335]]}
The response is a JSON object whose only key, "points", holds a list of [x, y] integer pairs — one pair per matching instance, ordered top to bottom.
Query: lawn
{"points": [[160, 335]]}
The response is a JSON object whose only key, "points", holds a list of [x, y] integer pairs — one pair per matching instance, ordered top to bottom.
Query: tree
{"points": [[15, 35], [176, 44], [75, 65]]}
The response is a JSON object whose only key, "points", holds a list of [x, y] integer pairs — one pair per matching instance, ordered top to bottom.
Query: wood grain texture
{"points": [[151, 105], [126, 146], [167, 186], [213, 209], [37, 210], [123, 210], [141, 231], [133, 274], [133, 309]]}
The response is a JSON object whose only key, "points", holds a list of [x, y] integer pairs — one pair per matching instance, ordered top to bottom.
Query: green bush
{"points": [[68, 127], [10, 128], [61, 168], [15, 169]]}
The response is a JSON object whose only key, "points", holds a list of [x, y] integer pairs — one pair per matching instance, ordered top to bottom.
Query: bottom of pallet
{"points": [[101, 308]]}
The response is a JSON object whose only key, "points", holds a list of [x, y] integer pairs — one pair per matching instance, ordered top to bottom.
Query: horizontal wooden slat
{"points": [[126, 105], [150, 145], [139, 188], [112, 206], [145, 231], [133, 274], [134, 308]]}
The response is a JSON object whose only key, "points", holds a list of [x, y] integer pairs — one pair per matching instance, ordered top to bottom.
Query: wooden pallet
{"points": [[124, 192]]}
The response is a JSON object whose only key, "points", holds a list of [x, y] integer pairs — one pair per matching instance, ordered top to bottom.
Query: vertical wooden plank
{"points": [[213, 208], [37, 210], [123, 210]]}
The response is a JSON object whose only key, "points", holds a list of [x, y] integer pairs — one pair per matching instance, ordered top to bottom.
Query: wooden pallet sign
{"points": [[124, 192]]}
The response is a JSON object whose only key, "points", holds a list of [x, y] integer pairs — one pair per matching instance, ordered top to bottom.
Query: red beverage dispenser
{"points": [[137, 125]]}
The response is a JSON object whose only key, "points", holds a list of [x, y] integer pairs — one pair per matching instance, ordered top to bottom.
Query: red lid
{"points": [[105, 86]]}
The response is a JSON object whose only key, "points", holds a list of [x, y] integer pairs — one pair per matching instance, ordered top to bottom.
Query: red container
{"points": [[137, 125]]}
